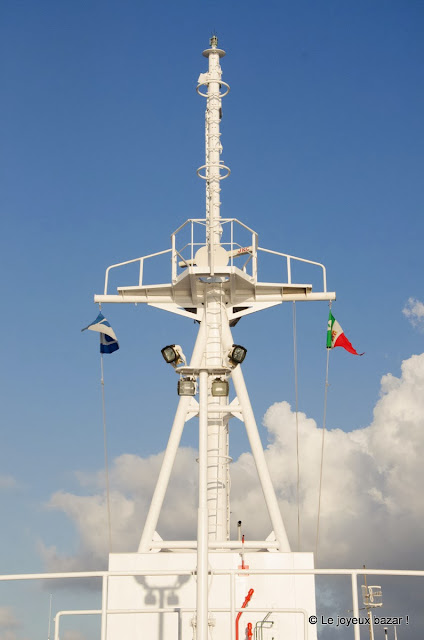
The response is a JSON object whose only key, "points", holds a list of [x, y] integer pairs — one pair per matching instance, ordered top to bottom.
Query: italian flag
{"points": [[337, 338]]}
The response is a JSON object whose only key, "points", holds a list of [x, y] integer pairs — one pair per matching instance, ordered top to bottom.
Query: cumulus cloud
{"points": [[414, 311], [133, 481], [7, 482], [372, 507], [7, 618], [9, 625]]}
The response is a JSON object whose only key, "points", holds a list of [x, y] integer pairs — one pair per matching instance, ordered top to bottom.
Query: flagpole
{"points": [[102, 381], [324, 420], [297, 421]]}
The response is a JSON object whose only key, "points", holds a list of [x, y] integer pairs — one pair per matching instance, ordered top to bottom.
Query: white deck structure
{"points": [[195, 587]]}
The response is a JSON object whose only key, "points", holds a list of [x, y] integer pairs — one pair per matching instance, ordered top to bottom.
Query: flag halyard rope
{"points": [[108, 344], [296, 388], [324, 420], [109, 520]]}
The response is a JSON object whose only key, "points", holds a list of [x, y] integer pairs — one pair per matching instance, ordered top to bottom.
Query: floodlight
{"points": [[169, 353], [173, 354], [237, 354], [186, 387], [220, 388]]}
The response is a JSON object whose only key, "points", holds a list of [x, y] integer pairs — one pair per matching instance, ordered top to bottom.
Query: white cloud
{"points": [[414, 311], [133, 480], [7, 482], [372, 501], [7, 618], [9, 625], [8, 634], [73, 635]]}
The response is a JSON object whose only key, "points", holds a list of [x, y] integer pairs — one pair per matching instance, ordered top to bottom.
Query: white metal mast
{"points": [[206, 284], [218, 451]]}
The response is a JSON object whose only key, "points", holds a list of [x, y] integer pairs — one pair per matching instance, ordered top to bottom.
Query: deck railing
{"points": [[232, 609]]}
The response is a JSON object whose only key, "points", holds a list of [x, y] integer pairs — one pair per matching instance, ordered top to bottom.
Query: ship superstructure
{"points": [[196, 588]]}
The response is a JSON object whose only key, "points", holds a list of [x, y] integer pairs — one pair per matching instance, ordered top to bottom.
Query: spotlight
{"points": [[173, 354], [237, 354], [186, 387], [220, 388]]}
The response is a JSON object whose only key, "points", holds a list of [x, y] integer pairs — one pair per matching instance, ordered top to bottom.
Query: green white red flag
{"points": [[337, 338]]}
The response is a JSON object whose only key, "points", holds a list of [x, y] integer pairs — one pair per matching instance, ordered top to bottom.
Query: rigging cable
{"points": [[102, 381], [324, 419], [297, 421]]}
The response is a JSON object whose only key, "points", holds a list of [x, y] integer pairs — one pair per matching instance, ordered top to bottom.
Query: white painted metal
{"points": [[213, 147], [211, 285], [171, 450], [257, 451], [218, 481], [218, 484], [202, 518], [229, 544], [77, 575], [231, 575], [354, 578], [105, 585], [277, 591], [181, 610], [76, 612], [371, 626]]}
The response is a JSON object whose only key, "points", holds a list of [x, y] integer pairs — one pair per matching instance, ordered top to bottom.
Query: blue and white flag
{"points": [[108, 340]]}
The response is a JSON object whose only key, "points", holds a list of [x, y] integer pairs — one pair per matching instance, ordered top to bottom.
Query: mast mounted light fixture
{"points": [[173, 354], [237, 354], [187, 387], [220, 388]]}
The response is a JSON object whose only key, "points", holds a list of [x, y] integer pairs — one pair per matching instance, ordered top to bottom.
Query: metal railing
{"points": [[186, 253], [184, 256], [289, 260], [141, 269], [232, 609]]}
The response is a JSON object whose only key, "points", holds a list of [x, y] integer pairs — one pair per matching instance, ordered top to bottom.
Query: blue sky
{"points": [[102, 131]]}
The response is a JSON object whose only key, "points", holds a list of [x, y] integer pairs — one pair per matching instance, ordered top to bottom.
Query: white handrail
{"points": [[289, 258], [140, 260], [353, 573], [13, 577], [179, 610], [76, 612]]}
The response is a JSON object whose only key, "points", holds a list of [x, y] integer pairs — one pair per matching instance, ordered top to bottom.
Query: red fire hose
{"points": [[243, 606], [249, 631]]}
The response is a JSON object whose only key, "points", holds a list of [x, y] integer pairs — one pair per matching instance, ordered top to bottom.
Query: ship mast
{"points": [[213, 146], [208, 283], [218, 480]]}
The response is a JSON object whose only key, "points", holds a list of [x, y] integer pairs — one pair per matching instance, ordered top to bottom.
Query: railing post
{"points": [[192, 242], [232, 242], [255, 256], [173, 258], [140, 275], [324, 278], [105, 583], [56, 626], [356, 627]]}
